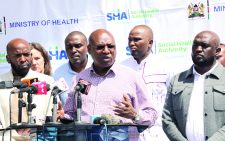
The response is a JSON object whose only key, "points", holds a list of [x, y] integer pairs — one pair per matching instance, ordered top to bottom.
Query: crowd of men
{"points": [[140, 90]]}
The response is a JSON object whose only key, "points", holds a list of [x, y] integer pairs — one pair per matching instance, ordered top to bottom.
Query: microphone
{"points": [[29, 81], [11, 84], [83, 86], [42, 87], [59, 87], [39, 88], [56, 91], [106, 119], [100, 120]]}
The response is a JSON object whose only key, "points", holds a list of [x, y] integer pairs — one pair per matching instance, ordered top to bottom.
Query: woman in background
{"points": [[41, 61]]}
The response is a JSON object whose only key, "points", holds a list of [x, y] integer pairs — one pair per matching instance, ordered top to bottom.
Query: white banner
{"points": [[174, 22]]}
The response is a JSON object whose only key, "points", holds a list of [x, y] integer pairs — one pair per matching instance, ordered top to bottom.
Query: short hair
{"points": [[76, 33], [44, 53]]}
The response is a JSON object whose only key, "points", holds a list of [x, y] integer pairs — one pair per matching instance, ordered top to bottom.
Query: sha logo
{"points": [[196, 10], [117, 16]]}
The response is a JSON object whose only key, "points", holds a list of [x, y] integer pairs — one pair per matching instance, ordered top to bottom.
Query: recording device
{"points": [[11, 84]]}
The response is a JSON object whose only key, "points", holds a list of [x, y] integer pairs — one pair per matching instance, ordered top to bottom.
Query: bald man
{"points": [[19, 57], [151, 68], [113, 91], [194, 107]]}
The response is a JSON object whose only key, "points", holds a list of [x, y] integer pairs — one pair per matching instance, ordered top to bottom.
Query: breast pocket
{"points": [[179, 95], [219, 97]]}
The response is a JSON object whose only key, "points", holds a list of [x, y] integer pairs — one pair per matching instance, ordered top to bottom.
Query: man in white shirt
{"points": [[76, 50], [153, 72], [194, 107]]}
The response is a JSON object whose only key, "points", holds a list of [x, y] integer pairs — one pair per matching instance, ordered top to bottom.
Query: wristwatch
{"points": [[136, 118]]}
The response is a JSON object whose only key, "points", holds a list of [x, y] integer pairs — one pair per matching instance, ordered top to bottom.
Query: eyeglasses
{"points": [[101, 47]]}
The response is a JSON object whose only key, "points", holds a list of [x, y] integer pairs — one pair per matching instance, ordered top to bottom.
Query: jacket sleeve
{"points": [[168, 118]]}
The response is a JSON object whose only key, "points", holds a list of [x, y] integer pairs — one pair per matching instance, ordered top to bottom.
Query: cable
{"points": [[49, 101], [106, 132]]}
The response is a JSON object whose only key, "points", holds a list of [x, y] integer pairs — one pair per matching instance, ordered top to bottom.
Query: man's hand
{"points": [[125, 109], [60, 111], [23, 132]]}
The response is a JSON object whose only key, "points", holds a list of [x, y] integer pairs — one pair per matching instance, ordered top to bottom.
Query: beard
{"points": [[203, 62], [20, 70]]}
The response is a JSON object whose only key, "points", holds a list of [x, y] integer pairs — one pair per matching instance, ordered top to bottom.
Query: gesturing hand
{"points": [[125, 108], [60, 111]]}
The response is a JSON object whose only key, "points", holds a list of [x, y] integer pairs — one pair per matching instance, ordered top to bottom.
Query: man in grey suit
{"points": [[194, 109]]}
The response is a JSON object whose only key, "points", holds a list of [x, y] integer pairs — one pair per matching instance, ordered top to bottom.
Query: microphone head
{"points": [[29, 81], [6, 84], [11, 84], [20, 84], [83, 86], [42, 87], [33, 89], [55, 90], [112, 119], [100, 120]]}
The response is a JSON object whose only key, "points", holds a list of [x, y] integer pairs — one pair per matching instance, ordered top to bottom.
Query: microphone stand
{"points": [[21, 104], [79, 104], [30, 107], [79, 107], [54, 112]]}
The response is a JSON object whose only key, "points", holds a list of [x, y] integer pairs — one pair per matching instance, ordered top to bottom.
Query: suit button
{"points": [[206, 92], [206, 114], [206, 137]]}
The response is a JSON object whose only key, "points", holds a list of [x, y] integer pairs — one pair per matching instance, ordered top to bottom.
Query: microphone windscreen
{"points": [[84, 86], [42, 87], [55, 91], [112, 119], [100, 120]]}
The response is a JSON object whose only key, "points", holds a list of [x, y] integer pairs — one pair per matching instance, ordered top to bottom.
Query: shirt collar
{"points": [[112, 70], [215, 71]]}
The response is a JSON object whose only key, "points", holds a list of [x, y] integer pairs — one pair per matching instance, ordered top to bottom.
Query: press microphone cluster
{"points": [[27, 85], [34, 87]]}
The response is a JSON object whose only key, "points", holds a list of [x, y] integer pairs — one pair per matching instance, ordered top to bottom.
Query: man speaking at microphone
{"points": [[20, 59], [115, 89]]}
